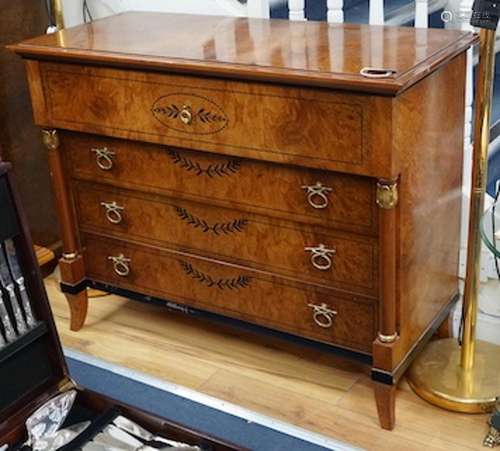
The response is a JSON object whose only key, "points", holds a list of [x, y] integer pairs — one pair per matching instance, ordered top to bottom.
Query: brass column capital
{"points": [[50, 139], [387, 194]]}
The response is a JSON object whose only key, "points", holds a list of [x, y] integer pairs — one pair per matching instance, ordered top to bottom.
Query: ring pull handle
{"points": [[374, 72], [186, 115], [104, 158], [317, 195], [113, 212], [321, 257], [121, 265], [323, 315]]}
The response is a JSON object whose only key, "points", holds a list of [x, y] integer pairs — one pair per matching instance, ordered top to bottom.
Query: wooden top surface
{"points": [[310, 53]]}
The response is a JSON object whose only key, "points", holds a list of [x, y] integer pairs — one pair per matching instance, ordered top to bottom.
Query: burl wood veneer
{"points": [[248, 168]]}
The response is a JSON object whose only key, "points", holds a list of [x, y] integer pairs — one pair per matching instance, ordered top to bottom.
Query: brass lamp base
{"points": [[93, 293], [437, 377]]}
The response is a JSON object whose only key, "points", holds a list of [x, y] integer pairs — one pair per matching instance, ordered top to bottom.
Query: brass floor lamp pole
{"points": [[58, 13], [466, 378]]}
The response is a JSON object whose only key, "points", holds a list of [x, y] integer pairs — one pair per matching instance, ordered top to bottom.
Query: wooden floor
{"points": [[303, 387]]}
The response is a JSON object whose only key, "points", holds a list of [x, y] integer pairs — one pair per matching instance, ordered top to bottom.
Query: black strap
{"points": [[485, 14]]}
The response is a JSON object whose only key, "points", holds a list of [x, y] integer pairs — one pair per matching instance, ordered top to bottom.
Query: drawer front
{"points": [[192, 112], [335, 200], [339, 260], [232, 290]]}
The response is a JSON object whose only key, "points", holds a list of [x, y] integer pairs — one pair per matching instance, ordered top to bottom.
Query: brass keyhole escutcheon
{"points": [[186, 115]]}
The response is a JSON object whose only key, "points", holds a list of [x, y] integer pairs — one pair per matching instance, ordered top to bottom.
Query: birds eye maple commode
{"points": [[302, 176]]}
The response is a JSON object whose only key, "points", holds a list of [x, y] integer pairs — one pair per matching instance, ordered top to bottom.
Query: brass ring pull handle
{"points": [[374, 72], [186, 115], [104, 158], [317, 195], [113, 212], [321, 257], [121, 265], [323, 315]]}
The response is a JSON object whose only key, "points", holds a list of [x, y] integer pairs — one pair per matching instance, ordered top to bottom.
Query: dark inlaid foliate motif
{"points": [[209, 281]]}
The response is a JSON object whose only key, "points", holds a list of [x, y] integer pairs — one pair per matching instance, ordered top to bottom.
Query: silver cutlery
{"points": [[17, 273], [8, 283], [10, 333], [3, 343], [48, 418], [133, 428], [119, 435], [61, 438], [116, 438], [104, 442], [112, 443], [93, 446]]}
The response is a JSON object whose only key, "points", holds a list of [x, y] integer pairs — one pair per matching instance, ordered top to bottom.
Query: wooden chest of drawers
{"points": [[256, 170]]}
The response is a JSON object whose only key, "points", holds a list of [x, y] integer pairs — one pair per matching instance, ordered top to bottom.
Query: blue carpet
{"points": [[190, 413]]}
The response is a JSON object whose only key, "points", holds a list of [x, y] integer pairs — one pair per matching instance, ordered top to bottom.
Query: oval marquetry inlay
{"points": [[190, 113]]}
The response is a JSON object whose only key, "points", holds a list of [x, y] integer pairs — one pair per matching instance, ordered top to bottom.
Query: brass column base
{"points": [[437, 377]]}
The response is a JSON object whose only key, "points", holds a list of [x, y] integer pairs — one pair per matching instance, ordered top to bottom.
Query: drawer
{"points": [[244, 118], [333, 199], [340, 260], [232, 290]]}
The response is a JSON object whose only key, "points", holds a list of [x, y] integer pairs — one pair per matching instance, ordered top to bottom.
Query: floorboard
{"points": [[313, 390]]}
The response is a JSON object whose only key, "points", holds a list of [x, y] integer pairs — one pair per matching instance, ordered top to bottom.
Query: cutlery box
{"points": [[33, 369]]}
